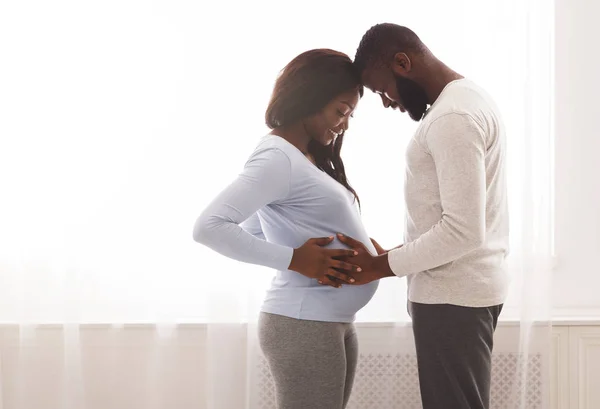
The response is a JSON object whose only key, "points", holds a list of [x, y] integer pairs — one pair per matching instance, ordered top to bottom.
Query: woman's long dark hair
{"points": [[304, 87]]}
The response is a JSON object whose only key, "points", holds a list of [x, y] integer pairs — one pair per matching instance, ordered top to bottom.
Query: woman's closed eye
{"points": [[344, 114]]}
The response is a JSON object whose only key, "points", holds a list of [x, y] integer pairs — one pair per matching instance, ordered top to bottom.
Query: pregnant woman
{"points": [[294, 187]]}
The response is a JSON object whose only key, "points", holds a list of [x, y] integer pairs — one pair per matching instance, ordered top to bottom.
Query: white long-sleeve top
{"points": [[278, 202]]}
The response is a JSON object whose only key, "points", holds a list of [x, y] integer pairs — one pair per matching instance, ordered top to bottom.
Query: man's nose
{"points": [[386, 101]]}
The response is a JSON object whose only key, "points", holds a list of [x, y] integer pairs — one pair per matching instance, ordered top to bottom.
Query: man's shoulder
{"points": [[461, 97], [464, 99]]}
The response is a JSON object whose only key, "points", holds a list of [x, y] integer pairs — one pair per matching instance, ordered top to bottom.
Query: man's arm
{"points": [[457, 145]]}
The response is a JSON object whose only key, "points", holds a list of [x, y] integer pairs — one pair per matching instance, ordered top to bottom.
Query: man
{"points": [[456, 237]]}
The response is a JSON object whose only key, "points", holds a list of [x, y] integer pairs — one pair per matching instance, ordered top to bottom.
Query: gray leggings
{"points": [[312, 362]]}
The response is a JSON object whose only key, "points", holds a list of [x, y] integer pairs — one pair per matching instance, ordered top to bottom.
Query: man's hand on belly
{"points": [[380, 250], [373, 267]]}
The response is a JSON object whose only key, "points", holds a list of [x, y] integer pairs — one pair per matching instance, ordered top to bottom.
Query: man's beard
{"points": [[413, 96]]}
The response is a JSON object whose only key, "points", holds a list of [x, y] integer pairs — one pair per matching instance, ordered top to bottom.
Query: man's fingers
{"points": [[321, 241], [349, 241], [342, 265], [331, 273], [326, 280]]}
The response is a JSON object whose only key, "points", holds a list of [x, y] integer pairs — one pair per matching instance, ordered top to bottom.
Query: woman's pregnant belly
{"points": [[297, 296]]}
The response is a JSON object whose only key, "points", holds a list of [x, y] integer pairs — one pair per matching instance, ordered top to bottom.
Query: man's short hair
{"points": [[382, 41]]}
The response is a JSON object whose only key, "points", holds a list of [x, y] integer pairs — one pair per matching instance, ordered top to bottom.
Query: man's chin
{"points": [[416, 115]]}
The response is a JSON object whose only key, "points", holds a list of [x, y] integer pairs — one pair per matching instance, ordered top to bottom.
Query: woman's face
{"points": [[327, 125]]}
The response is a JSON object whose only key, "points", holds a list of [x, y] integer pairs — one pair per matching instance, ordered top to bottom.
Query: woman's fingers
{"points": [[350, 242]]}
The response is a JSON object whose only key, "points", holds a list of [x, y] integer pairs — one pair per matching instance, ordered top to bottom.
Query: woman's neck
{"points": [[295, 134]]}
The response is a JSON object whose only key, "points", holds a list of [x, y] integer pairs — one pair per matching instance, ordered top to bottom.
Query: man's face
{"points": [[396, 91]]}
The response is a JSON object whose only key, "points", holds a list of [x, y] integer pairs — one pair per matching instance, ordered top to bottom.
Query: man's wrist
{"points": [[382, 266]]}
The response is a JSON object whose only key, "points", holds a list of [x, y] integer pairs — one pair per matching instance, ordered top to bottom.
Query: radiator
{"points": [[389, 380]]}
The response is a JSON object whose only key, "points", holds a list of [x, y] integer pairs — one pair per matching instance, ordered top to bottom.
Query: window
{"points": [[121, 124]]}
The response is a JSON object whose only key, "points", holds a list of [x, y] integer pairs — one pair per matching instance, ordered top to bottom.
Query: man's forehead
{"points": [[370, 77]]}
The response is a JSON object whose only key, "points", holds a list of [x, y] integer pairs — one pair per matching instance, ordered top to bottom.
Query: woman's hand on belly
{"points": [[324, 265]]}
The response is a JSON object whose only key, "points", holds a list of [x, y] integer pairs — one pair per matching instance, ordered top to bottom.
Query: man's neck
{"points": [[436, 76]]}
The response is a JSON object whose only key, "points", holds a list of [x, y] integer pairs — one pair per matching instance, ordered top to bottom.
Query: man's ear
{"points": [[401, 64]]}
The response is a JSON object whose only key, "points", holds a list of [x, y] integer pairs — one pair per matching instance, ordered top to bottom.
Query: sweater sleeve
{"points": [[457, 146], [264, 180]]}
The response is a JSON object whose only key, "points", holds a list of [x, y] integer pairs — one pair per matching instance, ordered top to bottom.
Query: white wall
{"points": [[577, 279]]}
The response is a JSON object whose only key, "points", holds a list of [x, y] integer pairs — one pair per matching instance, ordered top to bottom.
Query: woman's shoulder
{"points": [[273, 145], [270, 153]]}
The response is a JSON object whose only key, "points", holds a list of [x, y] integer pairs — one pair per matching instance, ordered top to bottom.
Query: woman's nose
{"points": [[345, 124]]}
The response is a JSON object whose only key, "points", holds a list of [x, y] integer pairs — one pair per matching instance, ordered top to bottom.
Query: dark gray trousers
{"points": [[454, 354], [312, 362]]}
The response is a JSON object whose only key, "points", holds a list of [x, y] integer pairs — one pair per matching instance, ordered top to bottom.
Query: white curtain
{"points": [[120, 120]]}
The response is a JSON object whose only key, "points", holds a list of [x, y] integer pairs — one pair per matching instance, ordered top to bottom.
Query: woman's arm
{"points": [[264, 180], [252, 225]]}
